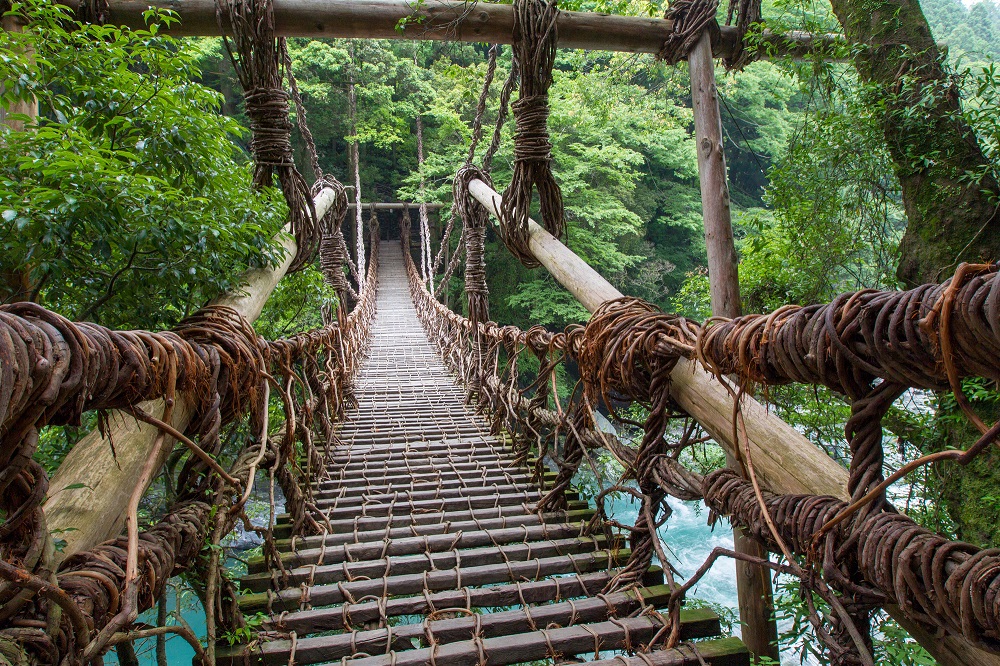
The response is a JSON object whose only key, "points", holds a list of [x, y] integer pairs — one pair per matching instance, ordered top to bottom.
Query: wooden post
{"points": [[27, 107], [724, 283], [786, 462], [88, 514], [753, 582]]}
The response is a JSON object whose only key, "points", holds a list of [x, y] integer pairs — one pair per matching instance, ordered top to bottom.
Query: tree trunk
{"points": [[950, 218]]}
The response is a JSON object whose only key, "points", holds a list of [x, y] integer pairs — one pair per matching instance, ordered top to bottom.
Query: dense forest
{"points": [[126, 202]]}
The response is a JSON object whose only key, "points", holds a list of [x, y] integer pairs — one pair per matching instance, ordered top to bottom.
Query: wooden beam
{"points": [[448, 20], [394, 205], [786, 462], [89, 492], [753, 582]]}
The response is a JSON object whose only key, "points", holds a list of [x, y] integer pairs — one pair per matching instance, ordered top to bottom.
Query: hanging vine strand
{"points": [[256, 56], [534, 57]]}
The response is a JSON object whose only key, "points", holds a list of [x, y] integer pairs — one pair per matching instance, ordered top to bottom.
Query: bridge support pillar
{"points": [[753, 582]]}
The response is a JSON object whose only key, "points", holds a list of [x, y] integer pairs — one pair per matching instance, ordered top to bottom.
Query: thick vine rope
{"points": [[691, 18], [256, 57], [534, 57], [333, 254], [867, 345], [53, 370]]}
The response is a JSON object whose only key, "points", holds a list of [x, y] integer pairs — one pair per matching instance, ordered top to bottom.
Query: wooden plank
{"points": [[394, 205], [419, 451], [495, 460], [406, 482], [421, 495], [334, 512], [528, 519], [367, 524], [436, 543], [403, 565], [532, 592], [325, 595], [694, 624], [613, 635], [718, 652]]}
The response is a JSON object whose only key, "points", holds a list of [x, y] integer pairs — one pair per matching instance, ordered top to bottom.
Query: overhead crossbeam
{"points": [[444, 20], [394, 205]]}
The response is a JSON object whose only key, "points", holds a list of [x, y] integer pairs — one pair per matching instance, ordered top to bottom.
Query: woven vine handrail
{"points": [[869, 346]]}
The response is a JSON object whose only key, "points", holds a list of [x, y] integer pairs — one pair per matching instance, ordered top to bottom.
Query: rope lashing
{"points": [[747, 13], [691, 18], [256, 56], [534, 57], [474, 218], [333, 253]]}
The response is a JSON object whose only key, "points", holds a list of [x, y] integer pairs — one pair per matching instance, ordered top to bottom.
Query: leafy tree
{"points": [[127, 202]]}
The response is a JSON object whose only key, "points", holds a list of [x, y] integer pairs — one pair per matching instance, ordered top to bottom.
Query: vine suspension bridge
{"points": [[427, 458], [430, 517]]}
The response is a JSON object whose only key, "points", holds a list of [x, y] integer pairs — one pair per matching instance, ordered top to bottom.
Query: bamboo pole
{"points": [[448, 20], [786, 462], [90, 490], [753, 582]]}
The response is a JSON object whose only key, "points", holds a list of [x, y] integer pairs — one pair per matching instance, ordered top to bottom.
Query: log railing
{"points": [[784, 461]]}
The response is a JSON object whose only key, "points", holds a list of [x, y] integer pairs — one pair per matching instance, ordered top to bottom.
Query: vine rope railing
{"points": [[870, 346], [53, 371]]}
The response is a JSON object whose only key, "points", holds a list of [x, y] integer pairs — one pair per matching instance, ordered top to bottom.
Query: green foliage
{"points": [[971, 32], [128, 202], [836, 218], [296, 304], [247, 633], [892, 644]]}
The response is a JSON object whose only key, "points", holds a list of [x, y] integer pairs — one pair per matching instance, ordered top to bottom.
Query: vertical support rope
{"points": [[691, 18], [535, 36], [255, 54], [426, 265]]}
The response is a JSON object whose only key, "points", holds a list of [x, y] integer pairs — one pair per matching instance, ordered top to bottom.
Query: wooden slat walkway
{"points": [[437, 555]]}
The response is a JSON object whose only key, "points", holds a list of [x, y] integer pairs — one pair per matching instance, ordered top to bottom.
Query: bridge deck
{"points": [[437, 555]]}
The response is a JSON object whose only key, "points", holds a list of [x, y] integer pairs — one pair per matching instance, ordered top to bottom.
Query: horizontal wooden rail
{"points": [[448, 20], [394, 205], [785, 461], [90, 490]]}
